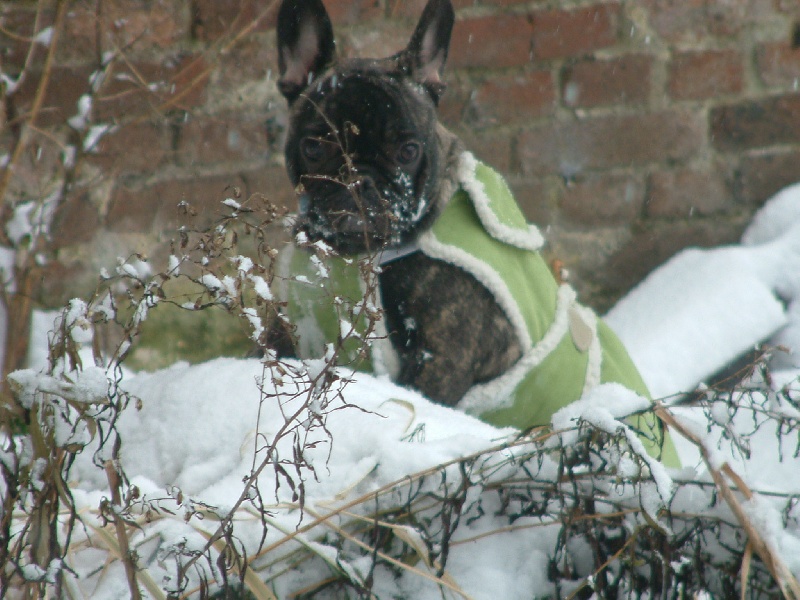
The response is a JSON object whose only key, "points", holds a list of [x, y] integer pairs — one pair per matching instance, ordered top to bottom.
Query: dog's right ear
{"points": [[305, 44], [428, 47]]}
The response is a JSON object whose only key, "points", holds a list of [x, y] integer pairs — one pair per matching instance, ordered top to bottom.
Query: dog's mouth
{"points": [[360, 217], [348, 232]]}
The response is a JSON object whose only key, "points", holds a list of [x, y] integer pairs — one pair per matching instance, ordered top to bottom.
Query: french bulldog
{"points": [[375, 165], [474, 315]]}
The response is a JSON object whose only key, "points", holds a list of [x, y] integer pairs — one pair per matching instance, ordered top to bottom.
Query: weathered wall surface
{"points": [[629, 129]]}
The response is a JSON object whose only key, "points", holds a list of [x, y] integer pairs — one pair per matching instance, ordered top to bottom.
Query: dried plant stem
{"points": [[206, 72], [36, 106], [26, 272], [114, 485], [371, 496], [630, 541], [444, 580], [787, 582]]}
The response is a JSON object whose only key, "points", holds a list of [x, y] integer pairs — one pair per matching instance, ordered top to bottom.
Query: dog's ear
{"points": [[305, 44], [427, 50]]}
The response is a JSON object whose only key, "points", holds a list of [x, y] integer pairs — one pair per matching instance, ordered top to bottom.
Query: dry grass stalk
{"points": [[26, 272], [114, 484], [790, 588]]}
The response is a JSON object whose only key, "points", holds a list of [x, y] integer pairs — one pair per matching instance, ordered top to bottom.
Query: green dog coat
{"points": [[567, 349]]}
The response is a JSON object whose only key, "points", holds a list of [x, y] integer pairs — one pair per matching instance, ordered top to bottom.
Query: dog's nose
{"points": [[362, 170], [362, 184], [350, 223]]}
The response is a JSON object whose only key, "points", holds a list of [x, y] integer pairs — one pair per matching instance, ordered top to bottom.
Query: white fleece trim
{"points": [[529, 238], [389, 255], [487, 276], [385, 359], [595, 364], [499, 392]]}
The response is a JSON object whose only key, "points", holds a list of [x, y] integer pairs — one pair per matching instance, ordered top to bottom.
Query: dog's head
{"points": [[362, 140]]}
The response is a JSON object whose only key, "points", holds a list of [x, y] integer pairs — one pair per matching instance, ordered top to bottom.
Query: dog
{"points": [[473, 316]]}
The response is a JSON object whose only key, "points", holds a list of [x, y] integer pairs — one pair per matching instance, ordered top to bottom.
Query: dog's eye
{"points": [[312, 149], [408, 153]]}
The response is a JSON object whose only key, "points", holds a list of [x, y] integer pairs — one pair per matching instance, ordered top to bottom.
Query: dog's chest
{"points": [[441, 320]]}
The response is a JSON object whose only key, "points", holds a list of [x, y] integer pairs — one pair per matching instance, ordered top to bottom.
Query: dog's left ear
{"points": [[305, 44], [427, 50]]}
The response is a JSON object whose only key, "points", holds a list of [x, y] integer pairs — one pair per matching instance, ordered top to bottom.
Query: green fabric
{"points": [[501, 201], [525, 273], [312, 305], [559, 379], [556, 382]]}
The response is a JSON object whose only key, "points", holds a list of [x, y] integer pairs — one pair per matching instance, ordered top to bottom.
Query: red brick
{"points": [[494, 2], [459, 4], [789, 8], [412, 9], [352, 11], [726, 18], [213, 19], [676, 20], [690, 20], [20, 22], [130, 25], [133, 25], [564, 33], [383, 39], [493, 41], [250, 60], [778, 64], [701, 75], [623, 80], [178, 83], [65, 86], [509, 98], [453, 106], [756, 123], [224, 138], [133, 148], [492, 148], [570, 148], [37, 167], [762, 175], [272, 183], [687, 193], [538, 198], [598, 200], [153, 208], [133, 209], [75, 221], [651, 247], [57, 283]]}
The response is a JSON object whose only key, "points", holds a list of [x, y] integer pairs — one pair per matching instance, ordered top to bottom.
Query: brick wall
{"points": [[628, 129]]}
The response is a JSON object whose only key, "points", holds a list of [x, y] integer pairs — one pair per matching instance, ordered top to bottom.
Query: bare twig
{"points": [[114, 484], [783, 576]]}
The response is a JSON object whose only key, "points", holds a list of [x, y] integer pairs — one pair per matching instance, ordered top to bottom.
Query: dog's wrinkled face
{"points": [[362, 142], [363, 147]]}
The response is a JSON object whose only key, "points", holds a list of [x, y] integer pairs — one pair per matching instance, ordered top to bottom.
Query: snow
{"points": [[44, 37], [81, 120], [94, 134], [261, 287], [704, 308], [203, 429]]}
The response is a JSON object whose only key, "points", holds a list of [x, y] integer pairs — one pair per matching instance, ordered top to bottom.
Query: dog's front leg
{"points": [[446, 327]]}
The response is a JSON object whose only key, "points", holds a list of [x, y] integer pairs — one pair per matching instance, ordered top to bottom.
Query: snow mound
{"points": [[779, 214], [704, 308], [197, 427]]}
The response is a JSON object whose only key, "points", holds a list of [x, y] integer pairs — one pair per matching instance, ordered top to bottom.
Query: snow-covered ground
{"points": [[203, 428]]}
